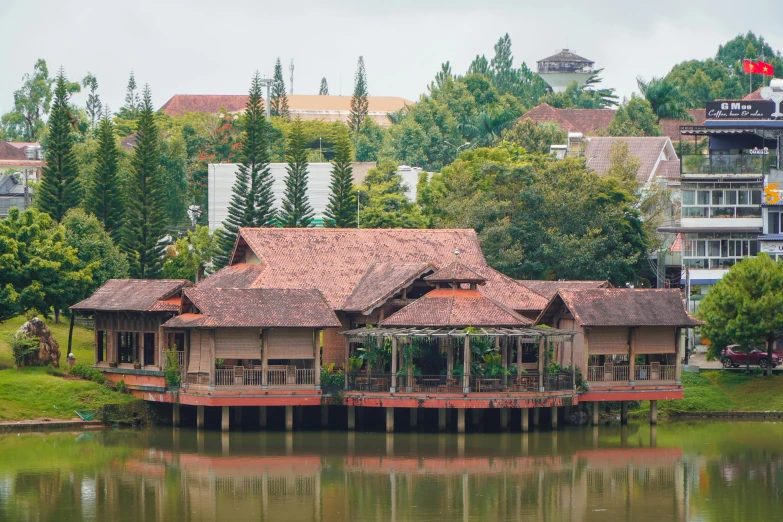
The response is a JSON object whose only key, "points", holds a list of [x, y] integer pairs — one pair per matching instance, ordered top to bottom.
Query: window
{"points": [[688, 197], [703, 197], [717, 197], [731, 197], [743, 197], [755, 197], [773, 222], [101, 340], [127, 343], [149, 349]]}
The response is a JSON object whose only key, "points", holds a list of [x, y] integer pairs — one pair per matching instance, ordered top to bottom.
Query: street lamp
{"points": [[267, 82]]}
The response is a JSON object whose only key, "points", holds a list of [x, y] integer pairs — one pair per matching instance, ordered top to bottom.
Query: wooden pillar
{"points": [[211, 345], [161, 346], [347, 350], [541, 354], [317, 355], [631, 355], [449, 356], [519, 357], [265, 359], [677, 359], [505, 360], [394, 366], [466, 366], [573, 368], [409, 384], [553, 410], [596, 412], [624, 412], [653, 412], [175, 415], [262, 416], [324, 416], [475, 416], [200, 417], [535, 417], [289, 418], [351, 418], [414, 418], [504, 418], [441, 419], [461, 419], [225, 420], [389, 420], [525, 420]]}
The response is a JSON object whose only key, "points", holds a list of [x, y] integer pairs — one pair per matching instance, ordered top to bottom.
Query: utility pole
{"points": [[291, 68], [267, 82], [689, 336]]}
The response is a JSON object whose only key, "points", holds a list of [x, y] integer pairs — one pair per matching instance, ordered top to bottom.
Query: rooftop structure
{"points": [[564, 68]]}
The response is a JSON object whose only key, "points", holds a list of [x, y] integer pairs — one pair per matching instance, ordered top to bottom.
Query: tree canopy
{"points": [[634, 117]]}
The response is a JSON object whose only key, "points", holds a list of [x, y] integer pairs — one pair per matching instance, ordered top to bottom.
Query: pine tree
{"points": [[324, 90], [278, 99], [359, 104], [93, 106], [130, 110], [60, 188], [104, 197], [252, 203], [341, 210], [296, 211], [145, 219]]}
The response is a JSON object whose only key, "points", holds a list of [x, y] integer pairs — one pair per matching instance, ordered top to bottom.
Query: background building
{"points": [[564, 68]]}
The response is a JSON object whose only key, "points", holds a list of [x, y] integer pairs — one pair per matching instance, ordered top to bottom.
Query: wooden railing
{"points": [[642, 372], [648, 372], [609, 373], [305, 376], [224, 377], [253, 377], [276, 377]]}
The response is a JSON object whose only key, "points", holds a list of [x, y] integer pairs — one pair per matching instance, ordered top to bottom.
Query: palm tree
{"points": [[665, 99], [486, 128]]}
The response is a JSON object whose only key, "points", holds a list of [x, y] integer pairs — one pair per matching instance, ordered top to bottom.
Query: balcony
{"points": [[727, 164], [609, 373], [435, 384]]}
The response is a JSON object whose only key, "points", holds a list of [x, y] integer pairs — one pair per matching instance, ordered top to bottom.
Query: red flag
{"points": [[749, 66], [764, 68]]}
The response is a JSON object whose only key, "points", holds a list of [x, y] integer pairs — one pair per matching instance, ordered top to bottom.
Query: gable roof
{"points": [[565, 55], [179, 104], [671, 128], [649, 151], [9, 152], [335, 260], [455, 272], [241, 275], [380, 282], [548, 289], [134, 295], [457, 307], [622, 307], [256, 308]]}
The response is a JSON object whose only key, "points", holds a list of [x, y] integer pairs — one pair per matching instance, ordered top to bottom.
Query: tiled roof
{"points": [[565, 56], [755, 95], [179, 104], [586, 121], [671, 128], [647, 149], [9, 152], [669, 169], [677, 245], [336, 260], [455, 272], [241, 275], [380, 282], [549, 288], [133, 295], [455, 307], [624, 307], [256, 308]]}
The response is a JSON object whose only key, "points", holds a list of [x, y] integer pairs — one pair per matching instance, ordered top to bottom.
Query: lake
{"points": [[701, 471]]}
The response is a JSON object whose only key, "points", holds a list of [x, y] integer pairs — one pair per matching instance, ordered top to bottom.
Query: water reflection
{"points": [[678, 471]]}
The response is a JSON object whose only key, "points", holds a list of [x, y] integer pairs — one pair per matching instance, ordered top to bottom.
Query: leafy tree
{"points": [[479, 65], [502, 65], [444, 74], [324, 89], [586, 96], [278, 99], [665, 99], [359, 103], [94, 106], [130, 111], [635, 117], [25, 121], [535, 137], [371, 142], [60, 188], [104, 194], [252, 202], [384, 203], [296, 210], [341, 210], [145, 219], [94, 249], [191, 255], [38, 268], [745, 307]]}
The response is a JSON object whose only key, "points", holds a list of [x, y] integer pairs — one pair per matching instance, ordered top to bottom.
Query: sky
{"points": [[214, 47]]}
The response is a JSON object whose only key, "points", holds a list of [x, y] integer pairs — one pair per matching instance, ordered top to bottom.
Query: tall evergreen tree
{"points": [[324, 90], [278, 99], [93, 100], [359, 104], [130, 110], [60, 188], [104, 197], [252, 203], [296, 210], [341, 210], [145, 219]]}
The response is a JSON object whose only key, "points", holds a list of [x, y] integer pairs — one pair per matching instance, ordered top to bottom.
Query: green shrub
{"points": [[25, 350], [172, 369], [87, 372], [331, 376], [121, 387]]}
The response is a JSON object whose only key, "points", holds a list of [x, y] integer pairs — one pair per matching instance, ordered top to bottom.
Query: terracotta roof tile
{"points": [[755, 95], [179, 104], [671, 128], [647, 149], [9, 152], [669, 170], [677, 245], [335, 260], [455, 272], [241, 275], [380, 282], [548, 289], [133, 295], [455, 307], [624, 307], [257, 308]]}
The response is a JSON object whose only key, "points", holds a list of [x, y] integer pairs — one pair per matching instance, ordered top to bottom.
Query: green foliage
{"points": [[323, 90], [584, 96], [665, 98], [278, 99], [359, 103], [94, 105], [133, 105], [634, 117], [25, 122], [535, 138], [371, 142], [60, 188], [104, 194], [252, 200], [383, 200], [296, 210], [340, 212], [539, 218], [145, 222], [191, 255], [38, 267], [745, 307], [25, 350], [355, 364], [493, 366], [172, 370], [87, 372], [331, 376], [121, 387]]}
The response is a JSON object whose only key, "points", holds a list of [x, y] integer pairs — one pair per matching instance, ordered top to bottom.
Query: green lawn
{"points": [[31, 393]]}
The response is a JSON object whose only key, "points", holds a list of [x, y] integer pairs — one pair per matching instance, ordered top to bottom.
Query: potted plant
{"points": [[136, 365]]}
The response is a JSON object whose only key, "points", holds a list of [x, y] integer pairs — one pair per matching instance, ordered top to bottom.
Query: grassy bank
{"points": [[31, 393]]}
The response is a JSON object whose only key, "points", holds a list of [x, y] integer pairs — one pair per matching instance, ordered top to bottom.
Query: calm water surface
{"points": [[727, 471]]}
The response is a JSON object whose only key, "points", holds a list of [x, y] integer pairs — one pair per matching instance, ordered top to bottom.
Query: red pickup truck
{"points": [[733, 358]]}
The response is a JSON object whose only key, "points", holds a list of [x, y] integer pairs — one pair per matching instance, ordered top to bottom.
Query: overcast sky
{"points": [[213, 47]]}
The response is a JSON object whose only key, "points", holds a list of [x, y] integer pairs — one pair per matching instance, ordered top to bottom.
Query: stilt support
{"points": [[553, 409], [596, 411], [624, 412], [653, 412], [175, 415], [238, 415], [262, 416], [324, 416], [200, 417], [289, 418], [351, 418], [415, 418], [504, 418], [535, 418], [442, 419], [224, 420], [389, 420], [461, 420], [525, 420]]}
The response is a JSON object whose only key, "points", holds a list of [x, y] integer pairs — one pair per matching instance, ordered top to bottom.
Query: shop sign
{"points": [[740, 109]]}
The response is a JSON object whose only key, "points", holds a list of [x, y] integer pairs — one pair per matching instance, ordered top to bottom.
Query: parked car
{"points": [[732, 357]]}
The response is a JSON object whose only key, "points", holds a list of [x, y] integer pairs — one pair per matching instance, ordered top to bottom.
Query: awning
{"points": [[527, 333]]}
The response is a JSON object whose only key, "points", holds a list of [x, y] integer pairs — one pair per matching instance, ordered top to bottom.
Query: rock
{"points": [[49, 349]]}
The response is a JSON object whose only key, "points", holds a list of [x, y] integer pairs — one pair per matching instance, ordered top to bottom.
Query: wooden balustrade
{"points": [[642, 372]]}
